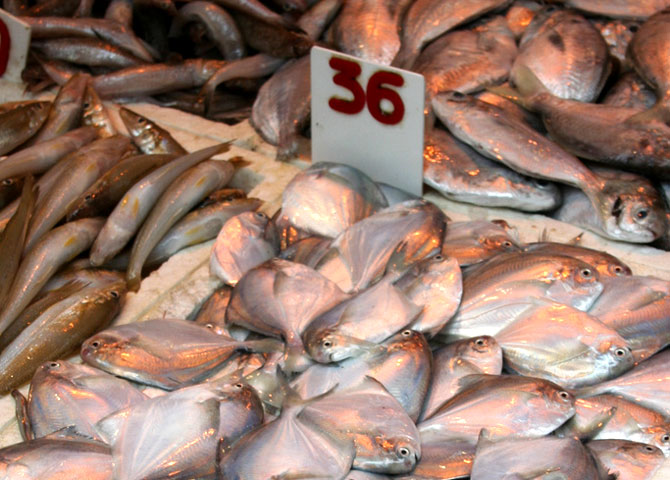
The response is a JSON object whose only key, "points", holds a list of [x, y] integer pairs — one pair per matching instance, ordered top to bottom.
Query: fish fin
{"points": [[660, 112], [239, 162], [267, 345], [25, 427], [109, 428], [70, 433]]}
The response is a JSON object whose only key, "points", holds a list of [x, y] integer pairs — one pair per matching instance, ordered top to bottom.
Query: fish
{"points": [[257, 10], [634, 10], [520, 14], [426, 20], [220, 26], [369, 29], [115, 33], [617, 34], [275, 40], [86, 51], [566, 53], [644, 54], [155, 78], [630, 92], [282, 107], [66, 110], [95, 114], [21, 123], [148, 136], [39, 158], [85, 167], [459, 173], [184, 192], [101, 197], [327, 198], [617, 203], [135, 205], [199, 226], [13, 237], [245, 241], [475, 241], [56, 248], [360, 256], [607, 265], [535, 278], [436, 286], [265, 300], [637, 308], [213, 311], [354, 324], [58, 331], [564, 345], [167, 353], [455, 361], [402, 364], [645, 384], [66, 395], [505, 405], [608, 417], [196, 419], [385, 442], [288, 447], [545, 457], [49, 459], [627, 459]]}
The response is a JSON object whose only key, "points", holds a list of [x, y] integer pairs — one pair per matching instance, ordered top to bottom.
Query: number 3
{"points": [[5, 44], [373, 96]]}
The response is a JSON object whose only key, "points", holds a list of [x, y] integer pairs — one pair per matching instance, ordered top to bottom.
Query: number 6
{"points": [[5, 44], [376, 93]]}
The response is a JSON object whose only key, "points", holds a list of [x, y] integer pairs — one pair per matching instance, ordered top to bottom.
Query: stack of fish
{"points": [[559, 60], [95, 193], [361, 334]]}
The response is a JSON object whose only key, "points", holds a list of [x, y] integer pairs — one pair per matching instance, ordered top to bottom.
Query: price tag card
{"points": [[14, 42], [369, 116]]}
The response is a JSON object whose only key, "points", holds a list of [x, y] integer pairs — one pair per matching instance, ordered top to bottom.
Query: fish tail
{"points": [[528, 87]]}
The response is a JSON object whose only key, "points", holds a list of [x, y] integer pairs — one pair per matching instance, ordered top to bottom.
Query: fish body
{"points": [[86, 51], [630, 91], [95, 114], [21, 123], [149, 137], [475, 241], [607, 265], [628, 459]]}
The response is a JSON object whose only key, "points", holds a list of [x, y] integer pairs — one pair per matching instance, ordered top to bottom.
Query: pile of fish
{"points": [[592, 79], [105, 208], [362, 334]]}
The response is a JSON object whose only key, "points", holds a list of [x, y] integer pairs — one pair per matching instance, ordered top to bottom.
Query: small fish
{"points": [[86, 51], [95, 114], [21, 123], [149, 137], [189, 189], [245, 241], [475, 241], [607, 265], [627, 459]]}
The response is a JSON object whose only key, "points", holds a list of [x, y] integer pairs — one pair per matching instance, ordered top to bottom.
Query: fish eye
{"points": [[633, 28], [455, 95], [86, 105], [141, 120], [8, 181], [88, 197], [642, 214], [260, 215], [507, 244], [438, 258], [617, 269], [586, 273], [114, 294], [209, 325], [406, 333], [480, 342], [327, 343], [95, 344], [620, 352], [54, 365], [238, 385], [564, 395], [665, 438], [649, 448], [403, 451]]}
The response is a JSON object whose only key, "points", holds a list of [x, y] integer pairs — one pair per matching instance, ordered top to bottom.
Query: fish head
{"points": [[140, 128], [633, 211], [576, 283], [406, 340], [327, 346], [106, 349], [484, 352], [616, 357], [56, 371], [550, 397], [392, 455]]}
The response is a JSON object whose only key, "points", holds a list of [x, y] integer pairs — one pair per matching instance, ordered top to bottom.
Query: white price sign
{"points": [[14, 42], [369, 116]]}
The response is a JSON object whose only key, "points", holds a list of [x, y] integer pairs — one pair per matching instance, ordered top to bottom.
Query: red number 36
{"points": [[5, 44], [373, 95]]}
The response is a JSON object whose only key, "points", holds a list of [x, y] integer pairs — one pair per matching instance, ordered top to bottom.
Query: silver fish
{"points": [[426, 20], [86, 51], [566, 53], [282, 107], [19, 124], [148, 136], [459, 173], [187, 190], [327, 198], [475, 241], [243, 242], [359, 256], [607, 265], [280, 298], [564, 345], [167, 353], [455, 361], [74, 396], [194, 420], [385, 442], [564, 458], [628, 459], [444, 460]]}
